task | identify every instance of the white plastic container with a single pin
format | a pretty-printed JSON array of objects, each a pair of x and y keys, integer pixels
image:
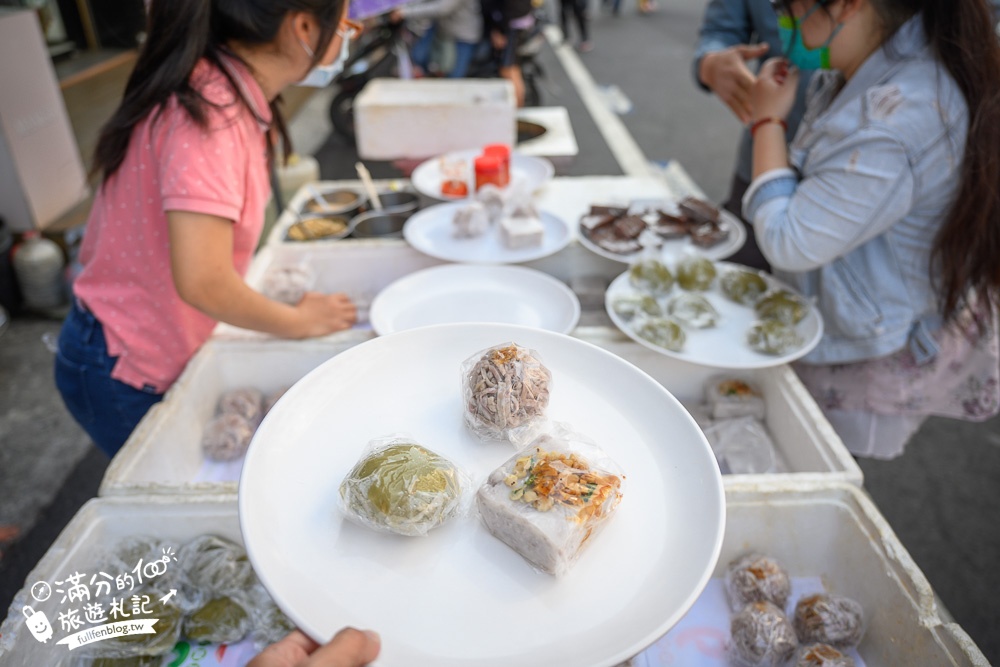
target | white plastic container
[
  {"x": 359, "y": 268},
  {"x": 421, "y": 118},
  {"x": 833, "y": 531},
  {"x": 98, "y": 526},
  {"x": 806, "y": 443},
  {"x": 163, "y": 454}
]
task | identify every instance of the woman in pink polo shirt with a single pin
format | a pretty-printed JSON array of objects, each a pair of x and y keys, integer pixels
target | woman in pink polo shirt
[{"x": 184, "y": 164}]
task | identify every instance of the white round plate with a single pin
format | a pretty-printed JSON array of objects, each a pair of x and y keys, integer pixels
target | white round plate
[
  {"x": 724, "y": 345},
  {"x": 427, "y": 177},
  {"x": 430, "y": 232},
  {"x": 675, "y": 248},
  {"x": 475, "y": 293},
  {"x": 459, "y": 597}
]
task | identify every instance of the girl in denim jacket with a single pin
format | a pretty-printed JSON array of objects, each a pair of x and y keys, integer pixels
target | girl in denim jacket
[{"x": 885, "y": 208}]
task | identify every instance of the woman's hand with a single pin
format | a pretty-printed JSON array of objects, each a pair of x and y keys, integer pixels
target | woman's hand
[
  {"x": 348, "y": 648},
  {"x": 774, "y": 93},
  {"x": 726, "y": 73},
  {"x": 323, "y": 314}
]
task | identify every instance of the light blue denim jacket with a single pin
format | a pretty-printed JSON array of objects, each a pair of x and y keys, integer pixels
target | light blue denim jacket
[
  {"x": 731, "y": 22},
  {"x": 876, "y": 168}
]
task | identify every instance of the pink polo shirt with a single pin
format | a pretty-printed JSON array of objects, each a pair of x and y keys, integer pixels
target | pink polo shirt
[{"x": 172, "y": 164}]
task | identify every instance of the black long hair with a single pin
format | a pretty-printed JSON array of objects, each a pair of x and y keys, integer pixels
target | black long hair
[
  {"x": 964, "y": 258},
  {"x": 182, "y": 32}
]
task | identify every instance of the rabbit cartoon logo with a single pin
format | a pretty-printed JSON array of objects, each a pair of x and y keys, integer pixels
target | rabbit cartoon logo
[{"x": 38, "y": 623}]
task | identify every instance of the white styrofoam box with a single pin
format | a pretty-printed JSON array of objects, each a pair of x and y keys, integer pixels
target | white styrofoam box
[
  {"x": 805, "y": 441},
  {"x": 163, "y": 454},
  {"x": 99, "y": 525},
  {"x": 359, "y": 268},
  {"x": 835, "y": 532},
  {"x": 421, "y": 118},
  {"x": 559, "y": 141}
]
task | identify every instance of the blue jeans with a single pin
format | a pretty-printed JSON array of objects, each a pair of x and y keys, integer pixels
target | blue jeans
[
  {"x": 107, "y": 409},
  {"x": 464, "y": 53}
]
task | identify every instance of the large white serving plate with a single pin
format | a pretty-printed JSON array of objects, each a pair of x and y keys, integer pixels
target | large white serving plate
[
  {"x": 460, "y": 597},
  {"x": 431, "y": 232},
  {"x": 427, "y": 177},
  {"x": 674, "y": 248},
  {"x": 722, "y": 346},
  {"x": 475, "y": 293}
]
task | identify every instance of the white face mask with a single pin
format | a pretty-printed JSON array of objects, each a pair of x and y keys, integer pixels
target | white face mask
[{"x": 321, "y": 75}]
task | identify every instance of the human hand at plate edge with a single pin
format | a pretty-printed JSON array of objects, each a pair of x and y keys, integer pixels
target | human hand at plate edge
[{"x": 348, "y": 648}]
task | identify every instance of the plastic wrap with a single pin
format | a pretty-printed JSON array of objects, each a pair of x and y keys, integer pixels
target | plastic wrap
[
  {"x": 401, "y": 487},
  {"x": 226, "y": 437},
  {"x": 506, "y": 391},
  {"x": 548, "y": 500},
  {"x": 220, "y": 620},
  {"x": 652, "y": 276},
  {"x": 492, "y": 199},
  {"x": 660, "y": 331},
  {"x": 728, "y": 397},
  {"x": 742, "y": 286},
  {"x": 630, "y": 305},
  {"x": 695, "y": 273},
  {"x": 246, "y": 402},
  {"x": 521, "y": 225},
  {"x": 756, "y": 578},
  {"x": 773, "y": 337},
  {"x": 782, "y": 306},
  {"x": 821, "y": 655},
  {"x": 742, "y": 446},
  {"x": 693, "y": 310},
  {"x": 471, "y": 220},
  {"x": 830, "y": 619},
  {"x": 287, "y": 284},
  {"x": 762, "y": 636}
]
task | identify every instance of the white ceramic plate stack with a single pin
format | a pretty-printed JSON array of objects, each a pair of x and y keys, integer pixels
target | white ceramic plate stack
[{"x": 459, "y": 597}]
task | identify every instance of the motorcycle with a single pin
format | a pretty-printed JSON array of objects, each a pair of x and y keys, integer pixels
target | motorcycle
[{"x": 383, "y": 51}]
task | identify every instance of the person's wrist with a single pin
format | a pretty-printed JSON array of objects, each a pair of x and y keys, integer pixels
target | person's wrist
[
  {"x": 765, "y": 121},
  {"x": 706, "y": 69}
]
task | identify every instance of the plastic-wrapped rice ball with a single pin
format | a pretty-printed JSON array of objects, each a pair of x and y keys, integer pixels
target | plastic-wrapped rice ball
[
  {"x": 693, "y": 310},
  {"x": 783, "y": 306},
  {"x": 662, "y": 332},
  {"x": 830, "y": 619},
  {"x": 744, "y": 287},
  {"x": 505, "y": 388},
  {"x": 695, "y": 273},
  {"x": 247, "y": 403},
  {"x": 226, "y": 437},
  {"x": 470, "y": 221},
  {"x": 757, "y": 578},
  {"x": 222, "y": 620},
  {"x": 762, "y": 636},
  {"x": 630, "y": 305},
  {"x": 773, "y": 337},
  {"x": 651, "y": 275},
  {"x": 287, "y": 284},
  {"x": 493, "y": 199},
  {"x": 822, "y": 655}
]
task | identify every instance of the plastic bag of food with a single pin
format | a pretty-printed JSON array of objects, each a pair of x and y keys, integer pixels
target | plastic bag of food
[
  {"x": 506, "y": 392},
  {"x": 288, "y": 283},
  {"x": 652, "y": 276},
  {"x": 742, "y": 446},
  {"x": 743, "y": 286},
  {"x": 663, "y": 332},
  {"x": 400, "y": 486},
  {"x": 729, "y": 397},
  {"x": 762, "y": 636},
  {"x": 773, "y": 337},
  {"x": 695, "y": 272},
  {"x": 693, "y": 310},
  {"x": 754, "y": 577},
  {"x": 830, "y": 619},
  {"x": 821, "y": 655},
  {"x": 628, "y": 306},
  {"x": 783, "y": 306},
  {"x": 550, "y": 498}
]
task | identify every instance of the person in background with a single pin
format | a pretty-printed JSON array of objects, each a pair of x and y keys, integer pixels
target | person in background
[
  {"x": 578, "y": 8},
  {"x": 885, "y": 209},
  {"x": 725, "y": 48},
  {"x": 184, "y": 183},
  {"x": 458, "y": 20},
  {"x": 503, "y": 23},
  {"x": 348, "y": 648}
]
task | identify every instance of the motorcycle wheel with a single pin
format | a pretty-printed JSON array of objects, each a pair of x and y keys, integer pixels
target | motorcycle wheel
[{"x": 342, "y": 114}]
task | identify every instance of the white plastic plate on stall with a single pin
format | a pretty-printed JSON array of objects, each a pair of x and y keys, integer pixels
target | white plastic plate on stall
[
  {"x": 475, "y": 293},
  {"x": 459, "y": 597},
  {"x": 431, "y": 232},
  {"x": 724, "y": 345},
  {"x": 428, "y": 176}
]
